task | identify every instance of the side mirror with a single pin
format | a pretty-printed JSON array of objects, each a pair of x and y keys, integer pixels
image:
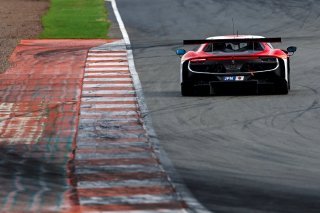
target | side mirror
[
  {"x": 291, "y": 50},
  {"x": 180, "y": 52}
]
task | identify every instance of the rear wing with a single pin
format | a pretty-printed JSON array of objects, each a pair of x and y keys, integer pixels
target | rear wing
[{"x": 231, "y": 40}]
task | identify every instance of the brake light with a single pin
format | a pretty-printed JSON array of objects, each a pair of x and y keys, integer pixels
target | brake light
[{"x": 198, "y": 60}]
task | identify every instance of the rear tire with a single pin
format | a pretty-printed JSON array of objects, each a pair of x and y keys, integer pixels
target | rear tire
[
  {"x": 283, "y": 88},
  {"x": 186, "y": 90},
  {"x": 289, "y": 82}
]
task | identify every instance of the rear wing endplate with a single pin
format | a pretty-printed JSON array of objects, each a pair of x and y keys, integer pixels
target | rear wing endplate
[{"x": 232, "y": 40}]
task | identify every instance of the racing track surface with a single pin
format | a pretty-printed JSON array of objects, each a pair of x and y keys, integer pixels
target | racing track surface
[{"x": 236, "y": 153}]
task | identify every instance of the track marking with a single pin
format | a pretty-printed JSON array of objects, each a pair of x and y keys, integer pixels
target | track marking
[
  {"x": 114, "y": 147},
  {"x": 182, "y": 192},
  {"x": 105, "y": 69}
]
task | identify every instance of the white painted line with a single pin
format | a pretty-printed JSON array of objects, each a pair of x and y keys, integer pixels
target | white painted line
[
  {"x": 104, "y": 53},
  {"x": 123, "y": 71},
  {"x": 120, "y": 22},
  {"x": 104, "y": 68},
  {"x": 136, "y": 199},
  {"x": 98, "y": 112},
  {"x": 112, "y": 118},
  {"x": 94, "y": 135},
  {"x": 106, "y": 85},
  {"x": 111, "y": 113},
  {"x": 103, "y": 156},
  {"x": 113, "y": 129},
  {"x": 107, "y": 63},
  {"x": 142, "y": 211},
  {"x": 112, "y": 169},
  {"x": 105, "y": 106},
  {"x": 99, "y": 168},
  {"x": 84, "y": 144},
  {"x": 107, "y": 58},
  {"x": 88, "y": 99},
  {"x": 17, "y": 140},
  {"x": 116, "y": 73},
  {"x": 101, "y": 126},
  {"x": 104, "y": 92},
  {"x": 106, "y": 79},
  {"x": 125, "y": 183}
]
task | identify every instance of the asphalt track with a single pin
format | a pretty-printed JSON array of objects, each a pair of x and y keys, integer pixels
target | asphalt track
[{"x": 235, "y": 153}]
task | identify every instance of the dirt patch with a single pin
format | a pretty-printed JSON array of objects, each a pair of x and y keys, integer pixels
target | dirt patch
[{"x": 20, "y": 19}]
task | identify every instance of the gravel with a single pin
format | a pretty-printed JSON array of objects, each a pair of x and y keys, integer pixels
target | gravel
[{"x": 20, "y": 19}]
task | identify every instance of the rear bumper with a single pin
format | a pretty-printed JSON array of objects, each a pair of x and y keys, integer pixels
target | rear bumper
[
  {"x": 270, "y": 76},
  {"x": 234, "y": 84},
  {"x": 235, "y": 87},
  {"x": 238, "y": 87}
]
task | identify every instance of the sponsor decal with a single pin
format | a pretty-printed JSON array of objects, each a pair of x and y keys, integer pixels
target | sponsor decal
[
  {"x": 239, "y": 78},
  {"x": 233, "y": 78},
  {"x": 229, "y": 78}
]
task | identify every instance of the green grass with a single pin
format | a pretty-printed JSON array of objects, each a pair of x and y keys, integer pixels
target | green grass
[{"x": 75, "y": 19}]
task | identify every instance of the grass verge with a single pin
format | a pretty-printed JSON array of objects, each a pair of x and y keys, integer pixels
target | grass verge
[{"x": 75, "y": 19}]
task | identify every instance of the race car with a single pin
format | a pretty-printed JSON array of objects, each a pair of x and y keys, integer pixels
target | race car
[{"x": 235, "y": 63}]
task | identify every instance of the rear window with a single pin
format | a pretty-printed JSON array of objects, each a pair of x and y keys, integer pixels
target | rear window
[{"x": 234, "y": 47}]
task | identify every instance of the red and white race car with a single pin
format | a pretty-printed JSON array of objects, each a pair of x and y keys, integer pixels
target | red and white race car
[{"x": 235, "y": 63}]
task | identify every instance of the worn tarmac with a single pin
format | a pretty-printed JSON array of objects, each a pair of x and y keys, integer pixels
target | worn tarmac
[{"x": 236, "y": 153}]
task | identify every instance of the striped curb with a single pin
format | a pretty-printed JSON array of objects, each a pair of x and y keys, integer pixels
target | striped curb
[{"x": 115, "y": 164}]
